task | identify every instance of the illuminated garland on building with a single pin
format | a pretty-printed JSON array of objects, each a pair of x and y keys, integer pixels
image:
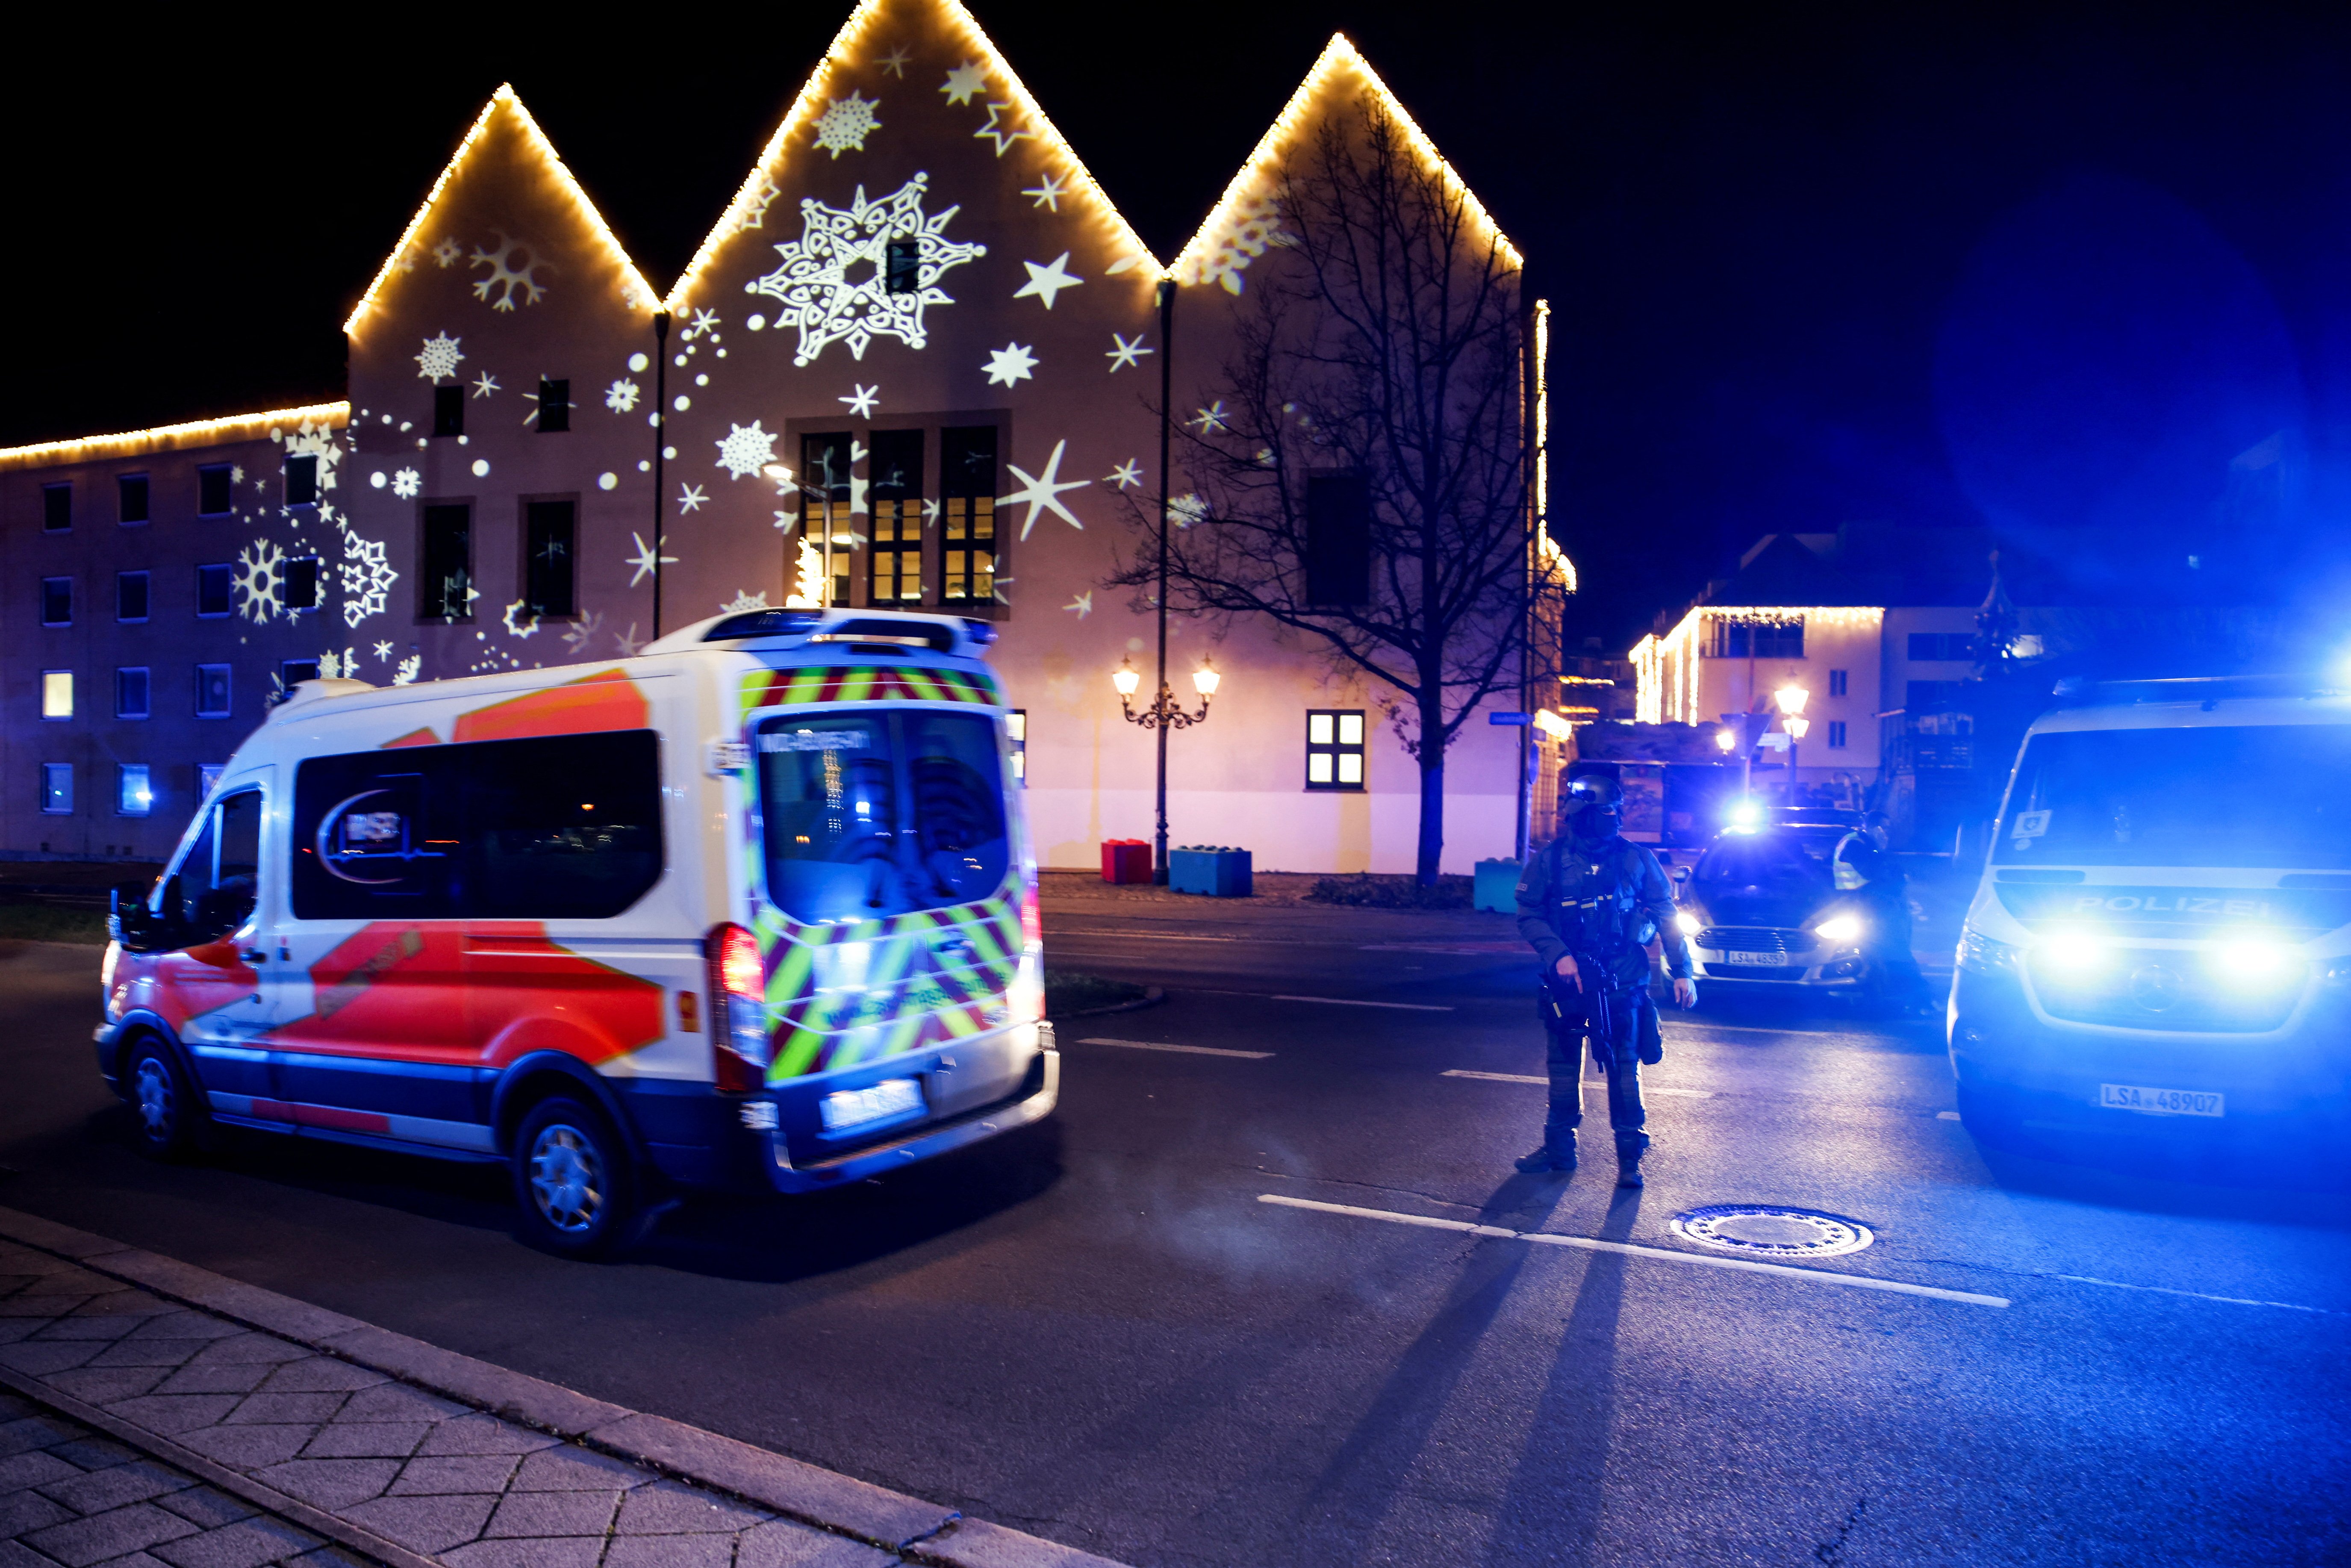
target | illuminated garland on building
[
  {"x": 1669, "y": 665},
  {"x": 169, "y": 437}
]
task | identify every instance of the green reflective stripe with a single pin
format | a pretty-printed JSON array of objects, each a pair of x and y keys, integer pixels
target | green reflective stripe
[
  {"x": 797, "y": 1057},
  {"x": 856, "y": 686},
  {"x": 791, "y": 978},
  {"x": 906, "y": 1036},
  {"x": 959, "y": 1022}
]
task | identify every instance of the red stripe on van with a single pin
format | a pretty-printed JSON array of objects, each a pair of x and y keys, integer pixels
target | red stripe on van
[
  {"x": 607, "y": 700},
  {"x": 333, "y": 1116}
]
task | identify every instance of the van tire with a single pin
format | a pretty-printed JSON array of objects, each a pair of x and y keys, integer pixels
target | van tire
[
  {"x": 574, "y": 1180},
  {"x": 167, "y": 1119}
]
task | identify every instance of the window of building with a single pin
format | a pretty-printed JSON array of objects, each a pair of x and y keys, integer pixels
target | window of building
[
  {"x": 57, "y": 601},
  {"x": 213, "y": 589},
  {"x": 449, "y": 411},
  {"x": 302, "y": 480},
  {"x": 1016, "y": 736},
  {"x": 292, "y": 672},
  {"x": 1837, "y": 734},
  {"x": 57, "y": 693},
  {"x": 133, "y": 795},
  {"x": 1836, "y": 683},
  {"x": 554, "y": 405},
  {"x": 967, "y": 515},
  {"x": 208, "y": 774},
  {"x": 212, "y": 691},
  {"x": 894, "y": 560},
  {"x": 130, "y": 691},
  {"x": 57, "y": 789},
  {"x": 1334, "y": 748},
  {"x": 303, "y": 584},
  {"x": 1942, "y": 646},
  {"x": 131, "y": 497},
  {"x": 56, "y": 507},
  {"x": 550, "y": 542},
  {"x": 446, "y": 580},
  {"x": 902, "y": 271},
  {"x": 213, "y": 490},
  {"x": 824, "y": 509},
  {"x": 1756, "y": 640},
  {"x": 1338, "y": 539},
  {"x": 130, "y": 596},
  {"x": 1930, "y": 696}
]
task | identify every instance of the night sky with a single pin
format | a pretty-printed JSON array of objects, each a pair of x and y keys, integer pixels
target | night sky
[{"x": 1811, "y": 264}]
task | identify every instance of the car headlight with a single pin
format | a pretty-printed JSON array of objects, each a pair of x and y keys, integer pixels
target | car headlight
[
  {"x": 1982, "y": 955},
  {"x": 1686, "y": 923},
  {"x": 2253, "y": 962},
  {"x": 1840, "y": 929},
  {"x": 2071, "y": 951}
]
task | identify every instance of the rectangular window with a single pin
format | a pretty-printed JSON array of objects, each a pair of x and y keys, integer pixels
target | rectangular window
[
  {"x": 212, "y": 487},
  {"x": 1334, "y": 748},
  {"x": 824, "y": 509},
  {"x": 1756, "y": 640},
  {"x": 895, "y": 559},
  {"x": 56, "y": 508},
  {"x": 57, "y": 601},
  {"x": 130, "y": 691},
  {"x": 212, "y": 590},
  {"x": 293, "y": 673},
  {"x": 1930, "y": 696},
  {"x": 132, "y": 796},
  {"x": 968, "y": 515},
  {"x": 302, "y": 584},
  {"x": 57, "y": 788},
  {"x": 446, "y": 578},
  {"x": 1837, "y": 734},
  {"x": 554, "y": 405},
  {"x": 550, "y": 542},
  {"x": 1338, "y": 539},
  {"x": 302, "y": 480},
  {"x": 449, "y": 411},
  {"x": 208, "y": 774},
  {"x": 212, "y": 691},
  {"x": 901, "y": 270},
  {"x": 130, "y": 596},
  {"x": 1942, "y": 647},
  {"x": 57, "y": 693},
  {"x": 1016, "y": 736},
  {"x": 131, "y": 497},
  {"x": 1836, "y": 683}
]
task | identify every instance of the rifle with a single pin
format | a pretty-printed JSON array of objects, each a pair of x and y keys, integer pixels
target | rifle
[{"x": 1586, "y": 1010}]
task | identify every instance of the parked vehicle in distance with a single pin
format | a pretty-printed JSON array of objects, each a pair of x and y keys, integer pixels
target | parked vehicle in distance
[
  {"x": 2161, "y": 940},
  {"x": 754, "y": 909},
  {"x": 1761, "y": 909}
]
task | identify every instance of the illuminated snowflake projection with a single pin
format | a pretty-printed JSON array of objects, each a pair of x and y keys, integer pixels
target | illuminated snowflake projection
[
  {"x": 319, "y": 442},
  {"x": 581, "y": 633},
  {"x": 529, "y": 624},
  {"x": 1186, "y": 509},
  {"x": 755, "y": 211},
  {"x": 367, "y": 578},
  {"x": 1244, "y": 237},
  {"x": 746, "y": 451},
  {"x": 408, "y": 668},
  {"x": 845, "y": 124},
  {"x": 621, "y": 397},
  {"x": 439, "y": 359},
  {"x": 813, "y": 283},
  {"x": 260, "y": 580},
  {"x": 343, "y": 666},
  {"x": 511, "y": 268},
  {"x": 447, "y": 251},
  {"x": 743, "y": 600},
  {"x": 406, "y": 483},
  {"x": 629, "y": 643}
]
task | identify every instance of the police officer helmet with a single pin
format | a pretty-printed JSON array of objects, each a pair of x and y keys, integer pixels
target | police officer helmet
[{"x": 1593, "y": 803}]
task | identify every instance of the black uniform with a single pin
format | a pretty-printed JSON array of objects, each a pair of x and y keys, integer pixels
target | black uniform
[{"x": 1602, "y": 900}]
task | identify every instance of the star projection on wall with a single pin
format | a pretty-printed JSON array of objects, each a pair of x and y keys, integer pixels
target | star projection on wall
[
  {"x": 813, "y": 283},
  {"x": 845, "y": 124},
  {"x": 1047, "y": 281},
  {"x": 963, "y": 83},
  {"x": 1042, "y": 492},
  {"x": 1125, "y": 353},
  {"x": 368, "y": 577},
  {"x": 1013, "y": 362}
]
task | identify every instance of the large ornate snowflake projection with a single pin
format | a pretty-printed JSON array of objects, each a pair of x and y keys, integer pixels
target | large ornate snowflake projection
[
  {"x": 367, "y": 577},
  {"x": 621, "y": 397},
  {"x": 511, "y": 266},
  {"x": 820, "y": 296},
  {"x": 746, "y": 449},
  {"x": 260, "y": 580},
  {"x": 438, "y": 362},
  {"x": 845, "y": 124},
  {"x": 1244, "y": 236}
]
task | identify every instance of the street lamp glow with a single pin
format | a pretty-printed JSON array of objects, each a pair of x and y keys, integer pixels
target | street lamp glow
[
  {"x": 1796, "y": 727},
  {"x": 1126, "y": 679},
  {"x": 1204, "y": 679},
  {"x": 781, "y": 473},
  {"x": 1726, "y": 740},
  {"x": 1792, "y": 698}
]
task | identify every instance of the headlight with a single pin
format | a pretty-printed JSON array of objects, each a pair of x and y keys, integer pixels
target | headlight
[
  {"x": 1686, "y": 923},
  {"x": 2251, "y": 962},
  {"x": 1840, "y": 929},
  {"x": 2071, "y": 951},
  {"x": 1982, "y": 954}
]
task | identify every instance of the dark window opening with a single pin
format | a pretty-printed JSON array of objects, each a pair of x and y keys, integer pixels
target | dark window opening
[
  {"x": 550, "y": 544},
  {"x": 446, "y": 580},
  {"x": 554, "y": 405},
  {"x": 824, "y": 509},
  {"x": 57, "y": 601},
  {"x": 1338, "y": 539},
  {"x": 968, "y": 515},
  {"x": 1942, "y": 647},
  {"x": 302, "y": 480},
  {"x": 302, "y": 584},
  {"x": 130, "y": 596},
  {"x": 1837, "y": 734},
  {"x": 57, "y": 789},
  {"x": 131, "y": 497},
  {"x": 903, "y": 271},
  {"x": 214, "y": 492},
  {"x": 130, "y": 693},
  {"x": 1334, "y": 748},
  {"x": 1931, "y": 696},
  {"x": 449, "y": 411},
  {"x": 212, "y": 691},
  {"x": 213, "y": 589},
  {"x": 897, "y": 557},
  {"x": 1836, "y": 683},
  {"x": 293, "y": 673},
  {"x": 56, "y": 507},
  {"x": 1756, "y": 640}
]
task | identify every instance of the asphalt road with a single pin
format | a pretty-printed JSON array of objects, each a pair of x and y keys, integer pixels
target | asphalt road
[{"x": 1100, "y": 1331}]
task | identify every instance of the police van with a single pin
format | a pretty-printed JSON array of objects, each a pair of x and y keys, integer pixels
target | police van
[
  {"x": 757, "y": 907},
  {"x": 2161, "y": 940}
]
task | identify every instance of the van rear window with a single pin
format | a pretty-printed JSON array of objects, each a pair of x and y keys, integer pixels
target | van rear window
[
  {"x": 553, "y": 828},
  {"x": 876, "y": 813}
]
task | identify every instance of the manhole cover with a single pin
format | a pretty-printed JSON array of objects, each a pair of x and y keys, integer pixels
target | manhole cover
[{"x": 1767, "y": 1230}]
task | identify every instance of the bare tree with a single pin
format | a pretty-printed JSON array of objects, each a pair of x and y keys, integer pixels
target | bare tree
[{"x": 1362, "y": 475}]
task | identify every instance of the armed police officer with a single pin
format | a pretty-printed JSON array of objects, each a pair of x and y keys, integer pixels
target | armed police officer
[{"x": 1590, "y": 902}]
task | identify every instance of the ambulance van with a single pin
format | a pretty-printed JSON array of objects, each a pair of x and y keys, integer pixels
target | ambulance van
[
  {"x": 754, "y": 908},
  {"x": 2161, "y": 942}
]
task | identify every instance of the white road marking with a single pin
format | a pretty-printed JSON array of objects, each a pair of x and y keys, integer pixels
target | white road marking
[
  {"x": 1594, "y": 1244},
  {"x": 1353, "y": 1002},
  {"x": 2197, "y": 1295},
  {"x": 1529, "y": 1077},
  {"x": 1186, "y": 1050}
]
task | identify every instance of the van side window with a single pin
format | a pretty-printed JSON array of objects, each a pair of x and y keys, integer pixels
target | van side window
[
  {"x": 217, "y": 882},
  {"x": 374, "y": 835}
]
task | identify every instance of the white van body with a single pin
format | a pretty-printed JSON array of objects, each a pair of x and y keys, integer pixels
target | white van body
[{"x": 761, "y": 898}]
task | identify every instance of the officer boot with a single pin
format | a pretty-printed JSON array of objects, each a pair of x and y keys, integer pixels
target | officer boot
[
  {"x": 1630, "y": 1146},
  {"x": 1556, "y": 1153}
]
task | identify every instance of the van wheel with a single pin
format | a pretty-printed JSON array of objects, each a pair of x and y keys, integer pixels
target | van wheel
[
  {"x": 573, "y": 1180},
  {"x": 162, "y": 1103}
]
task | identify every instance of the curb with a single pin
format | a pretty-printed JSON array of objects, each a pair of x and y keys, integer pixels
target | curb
[
  {"x": 1151, "y": 998},
  {"x": 919, "y": 1532}
]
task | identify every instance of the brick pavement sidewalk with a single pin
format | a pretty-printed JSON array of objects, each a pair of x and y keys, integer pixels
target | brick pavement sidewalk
[{"x": 305, "y": 1436}]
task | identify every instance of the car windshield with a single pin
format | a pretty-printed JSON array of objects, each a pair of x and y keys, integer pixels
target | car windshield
[
  {"x": 1779, "y": 862},
  {"x": 2240, "y": 796},
  {"x": 871, "y": 814}
]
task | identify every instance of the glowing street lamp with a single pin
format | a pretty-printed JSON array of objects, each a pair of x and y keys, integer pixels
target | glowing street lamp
[
  {"x": 1791, "y": 699},
  {"x": 1164, "y": 712}
]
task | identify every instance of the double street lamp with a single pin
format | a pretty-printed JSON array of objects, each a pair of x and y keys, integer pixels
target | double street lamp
[
  {"x": 1164, "y": 712},
  {"x": 1791, "y": 699}
]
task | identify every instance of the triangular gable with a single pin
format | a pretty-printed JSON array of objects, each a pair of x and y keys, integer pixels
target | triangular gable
[
  {"x": 1243, "y": 222},
  {"x": 404, "y": 258},
  {"x": 759, "y": 186}
]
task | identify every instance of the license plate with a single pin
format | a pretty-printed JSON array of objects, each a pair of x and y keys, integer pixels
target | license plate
[
  {"x": 2158, "y": 1102},
  {"x": 1759, "y": 960},
  {"x": 845, "y": 1109}
]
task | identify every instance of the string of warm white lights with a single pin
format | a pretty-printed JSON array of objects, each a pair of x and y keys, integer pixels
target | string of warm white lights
[
  {"x": 1669, "y": 663},
  {"x": 165, "y": 438}
]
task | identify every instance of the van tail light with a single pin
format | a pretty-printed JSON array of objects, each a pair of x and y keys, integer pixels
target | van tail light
[
  {"x": 739, "y": 1009},
  {"x": 1033, "y": 920}
]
